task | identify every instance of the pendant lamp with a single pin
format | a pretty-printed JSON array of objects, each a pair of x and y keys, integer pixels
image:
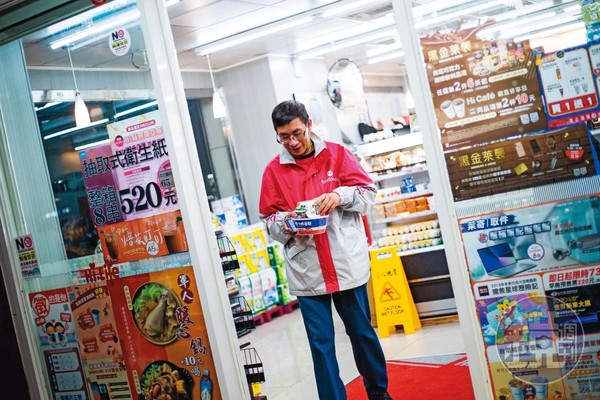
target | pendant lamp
[
  {"x": 217, "y": 101},
  {"x": 82, "y": 115}
]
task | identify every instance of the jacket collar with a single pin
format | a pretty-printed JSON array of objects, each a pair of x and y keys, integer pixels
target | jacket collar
[{"x": 286, "y": 158}]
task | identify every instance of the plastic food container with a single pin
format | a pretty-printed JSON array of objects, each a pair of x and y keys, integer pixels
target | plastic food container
[{"x": 308, "y": 226}]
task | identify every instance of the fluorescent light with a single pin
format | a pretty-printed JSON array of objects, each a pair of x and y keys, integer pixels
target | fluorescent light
[
  {"x": 347, "y": 7},
  {"x": 551, "y": 23},
  {"x": 385, "y": 57},
  {"x": 549, "y": 32},
  {"x": 570, "y": 9},
  {"x": 169, "y": 3},
  {"x": 499, "y": 27},
  {"x": 122, "y": 19},
  {"x": 87, "y": 146},
  {"x": 460, "y": 13},
  {"x": 137, "y": 108},
  {"x": 384, "y": 49},
  {"x": 242, "y": 38},
  {"x": 347, "y": 43},
  {"x": 75, "y": 128}
]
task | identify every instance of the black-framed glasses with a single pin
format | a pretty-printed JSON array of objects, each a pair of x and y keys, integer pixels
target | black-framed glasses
[{"x": 285, "y": 139}]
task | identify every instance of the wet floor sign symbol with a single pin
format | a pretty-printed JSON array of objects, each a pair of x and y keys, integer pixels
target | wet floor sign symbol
[
  {"x": 394, "y": 304},
  {"x": 389, "y": 293}
]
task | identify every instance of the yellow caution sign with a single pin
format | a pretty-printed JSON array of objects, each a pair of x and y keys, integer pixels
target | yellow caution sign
[{"x": 394, "y": 304}]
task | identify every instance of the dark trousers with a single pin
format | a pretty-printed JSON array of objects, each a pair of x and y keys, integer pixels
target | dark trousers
[{"x": 353, "y": 308}]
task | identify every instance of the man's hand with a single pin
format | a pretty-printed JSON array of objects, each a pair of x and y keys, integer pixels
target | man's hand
[
  {"x": 286, "y": 228},
  {"x": 327, "y": 202}
]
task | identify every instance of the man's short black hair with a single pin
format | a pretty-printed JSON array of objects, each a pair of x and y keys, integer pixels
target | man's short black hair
[{"x": 286, "y": 111}]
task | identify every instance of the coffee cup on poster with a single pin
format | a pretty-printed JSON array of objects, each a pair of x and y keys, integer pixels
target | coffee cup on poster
[
  {"x": 577, "y": 89},
  {"x": 459, "y": 107},
  {"x": 534, "y": 116},
  {"x": 584, "y": 87},
  {"x": 448, "y": 109},
  {"x": 524, "y": 119}
]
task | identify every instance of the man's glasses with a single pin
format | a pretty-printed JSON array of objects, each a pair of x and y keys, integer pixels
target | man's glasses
[{"x": 285, "y": 139}]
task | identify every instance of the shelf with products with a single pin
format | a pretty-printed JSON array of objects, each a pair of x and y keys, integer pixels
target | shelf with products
[{"x": 404, "y": 215}]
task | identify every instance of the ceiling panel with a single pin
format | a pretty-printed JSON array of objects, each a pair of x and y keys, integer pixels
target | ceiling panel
[
  {"x": 179, "y": 31},
  {"x": 214, "y": 13}
]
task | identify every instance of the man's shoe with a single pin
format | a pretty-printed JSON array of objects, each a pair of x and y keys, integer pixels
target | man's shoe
[{"x": 380, "y": 396}]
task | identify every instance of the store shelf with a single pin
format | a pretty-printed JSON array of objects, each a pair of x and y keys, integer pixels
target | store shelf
[
  {"x": 404, "y": 196},
  {"x": 406, "y": 217},
  {"x": 421, "y": 250},
  {"x": 388, "y": 145},
  {"x": 417, "y": 169}
]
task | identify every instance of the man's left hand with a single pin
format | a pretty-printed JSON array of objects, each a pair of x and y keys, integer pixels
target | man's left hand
[{"x": 327, "y": 203}]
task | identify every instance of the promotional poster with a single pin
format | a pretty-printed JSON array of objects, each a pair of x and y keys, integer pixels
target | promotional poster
[
  {"x": 569, "y": 82},
  {"x": 58, "y": 343},
  {"x": 483, "y": 91},
  {"x": 153, "y": 236},
  {"x": 522, "y": 163},
  {"x": 164, "y": 339},
  {"x": 532, "y": 239}
]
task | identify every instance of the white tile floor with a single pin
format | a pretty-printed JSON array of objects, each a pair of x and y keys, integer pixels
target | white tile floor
[{"x": 283, "y": 349}]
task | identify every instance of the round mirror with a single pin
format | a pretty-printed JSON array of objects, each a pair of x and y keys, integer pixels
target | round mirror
[{"x": 344, "y": 83}]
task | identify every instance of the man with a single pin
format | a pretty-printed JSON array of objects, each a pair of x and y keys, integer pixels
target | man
[{"x": 333, "y": 266}]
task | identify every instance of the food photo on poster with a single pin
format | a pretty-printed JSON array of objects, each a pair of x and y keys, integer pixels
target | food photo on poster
[
  {"x": 524, "y": 162},
  {"x": 532, "y": 239},
  {"x": 165, "y": 344},
  {"x": 483, "y": 90},
  {"x": 569, "y": 79}
]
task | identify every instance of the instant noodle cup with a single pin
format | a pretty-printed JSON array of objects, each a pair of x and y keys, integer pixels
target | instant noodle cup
[{"x": 308, "y": 226}]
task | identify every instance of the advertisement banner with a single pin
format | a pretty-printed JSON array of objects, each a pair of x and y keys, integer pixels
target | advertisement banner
[
  {"x": 153, "y": 236},
  {"x": 522, "y": 163},
  {"x": 533, "y": 239},
  {"x": 100, "y": 185},
  {"x": 483, "y": 91},
  {"x": 143, "y": 173},
  {"x": 569, "y": 81},
  {"x": 58, "y": 344},
  {"x": 165, "y": 339}
]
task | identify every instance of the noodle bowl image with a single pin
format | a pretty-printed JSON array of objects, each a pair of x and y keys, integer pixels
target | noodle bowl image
[{"x": 154, "y": 307}]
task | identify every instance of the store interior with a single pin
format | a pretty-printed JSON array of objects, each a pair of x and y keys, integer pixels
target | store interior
[{"x": 251, "y": 55}]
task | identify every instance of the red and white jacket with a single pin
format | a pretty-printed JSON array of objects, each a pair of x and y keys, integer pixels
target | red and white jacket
[{"x": 339, "y": 259}]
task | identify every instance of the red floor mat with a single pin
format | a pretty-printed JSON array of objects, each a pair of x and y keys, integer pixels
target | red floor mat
[{"x": 435, "y": 377}]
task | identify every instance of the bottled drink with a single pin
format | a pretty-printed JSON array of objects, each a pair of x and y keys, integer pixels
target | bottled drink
[{"x": 205, "y": 386}]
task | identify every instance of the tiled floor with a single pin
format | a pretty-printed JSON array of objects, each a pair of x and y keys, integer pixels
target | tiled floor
[{"x": 283, "y": 349}]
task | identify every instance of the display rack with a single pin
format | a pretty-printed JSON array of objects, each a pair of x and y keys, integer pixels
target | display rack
[
  {"x": 425, "y": 264},
  {"x": 242, "y": 317}
]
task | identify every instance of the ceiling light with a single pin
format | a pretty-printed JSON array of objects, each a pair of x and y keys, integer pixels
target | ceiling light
[
  {"x": 93, "y": 144},
  {"x": 82, "y": 115},
  {"x": 169, "y": 3},
  {"x": 540, "y": 26},
  {"x": 460, "y": 13},
  {"x": 498, "y": 27},
  {"x": 218, "y": 105},
  {"x": 552, "y": 31},
  {"x": 342, "y": 44},
  {"x": 385, "y": 57},
  {"x": 570, "y": 9},
  {"x": 75, "y": 128},
  {"x": 98, "y": 28},
  {"x": 251, "y": 35},
  {"x": 137, "y": 108},
  {"x": 384, "y": 49},
  {"x": 346, "y": 7}
]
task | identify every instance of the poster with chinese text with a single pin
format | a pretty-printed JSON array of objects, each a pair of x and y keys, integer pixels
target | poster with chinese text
[
  {"x": 58, "y": 343},
  {"x": 483, "y": 90},
  {"x": 165, "y": 338},
  {"x": 569, "y": 81},
  {"x": 141, "y": 163},
  {"x": 522, "y": 163}
]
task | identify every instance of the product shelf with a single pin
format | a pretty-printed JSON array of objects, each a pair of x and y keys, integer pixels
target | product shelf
[
  {"x": 416, "y": 169},
  {"x": 404, "y": 196},
  {"x": 383, "y": 146},
  {"x": 420, "y": 250},
  {"x": 406, "y": 217}
]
